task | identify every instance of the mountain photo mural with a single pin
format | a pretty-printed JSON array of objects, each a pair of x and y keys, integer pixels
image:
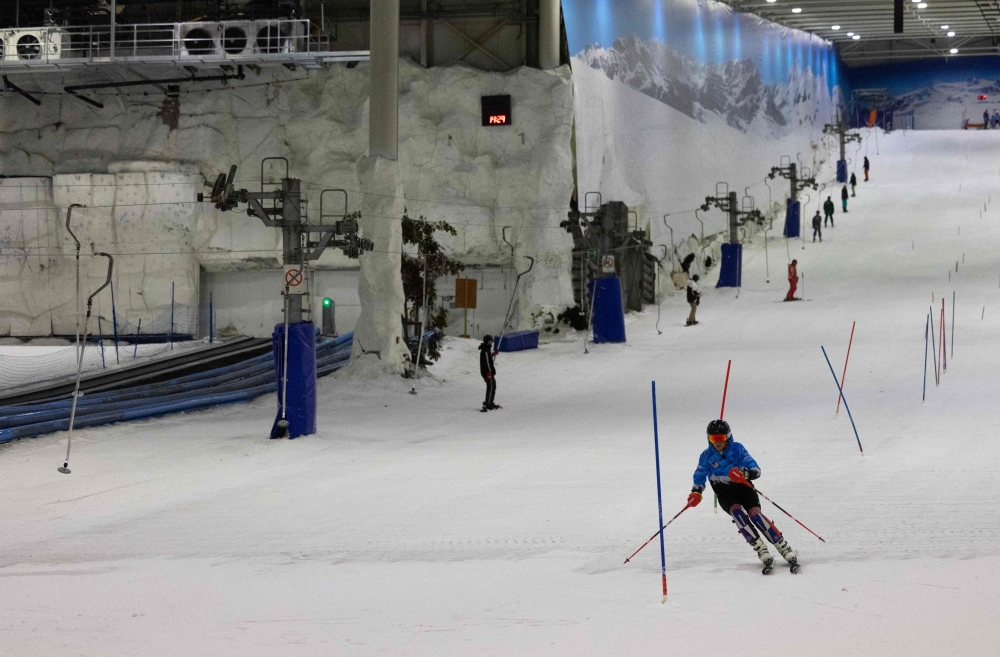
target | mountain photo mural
[{"x": 673, "y": 96}]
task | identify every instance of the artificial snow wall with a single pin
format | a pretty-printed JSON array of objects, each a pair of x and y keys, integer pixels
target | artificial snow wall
[
  {"x": 674, "y": 96},
  {"x": 138, "y": 164}
]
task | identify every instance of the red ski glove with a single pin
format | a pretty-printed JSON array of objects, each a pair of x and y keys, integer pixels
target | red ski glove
[
  {"x": 489, "y": 375},
  {"x": 694, "y": 499},
  {"x": 738, "y": 477}
]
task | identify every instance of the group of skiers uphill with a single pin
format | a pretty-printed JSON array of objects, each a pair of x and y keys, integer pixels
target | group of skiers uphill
[{"x": 818, "y": 222}]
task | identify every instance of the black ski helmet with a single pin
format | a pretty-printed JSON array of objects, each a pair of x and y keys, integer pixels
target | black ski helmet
[{"x": 718, "y": 427}]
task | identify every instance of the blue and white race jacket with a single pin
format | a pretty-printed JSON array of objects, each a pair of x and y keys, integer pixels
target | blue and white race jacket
[{"x": 714, "y": 465}]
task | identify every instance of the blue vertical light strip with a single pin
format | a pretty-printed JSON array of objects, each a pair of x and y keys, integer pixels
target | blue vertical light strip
[
  {"x": 659, "y": 22},
  {"x": 737, "y": 43},
  {"x": 719, "y": 39},
  {"x": 605, "y": 23},
  {"x": 659, "y": 495},
  {"x": 699, "y": 37}
]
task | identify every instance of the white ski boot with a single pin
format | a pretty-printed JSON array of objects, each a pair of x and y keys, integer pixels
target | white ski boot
[
  {"x": 765, "y": 557},
  {"x": 788, "y": 554}
]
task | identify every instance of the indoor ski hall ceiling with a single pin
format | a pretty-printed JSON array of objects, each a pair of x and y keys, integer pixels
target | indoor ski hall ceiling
[{"x": 865, "y": 35}]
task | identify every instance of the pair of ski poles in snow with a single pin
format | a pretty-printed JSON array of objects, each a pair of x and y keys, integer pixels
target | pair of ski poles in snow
[{"x": 745, "y": 482}]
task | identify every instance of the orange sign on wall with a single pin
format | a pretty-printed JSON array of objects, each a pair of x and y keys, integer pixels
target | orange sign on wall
[{"x": 465, "y": 293}]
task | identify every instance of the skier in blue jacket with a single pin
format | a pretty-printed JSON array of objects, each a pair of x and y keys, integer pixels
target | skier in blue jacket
[{"x": 729, "y": 468}]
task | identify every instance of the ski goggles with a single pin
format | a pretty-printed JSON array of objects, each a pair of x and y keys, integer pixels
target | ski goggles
[{"x": 717, "y": 438}]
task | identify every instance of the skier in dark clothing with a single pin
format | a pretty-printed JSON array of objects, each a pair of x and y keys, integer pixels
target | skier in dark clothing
[
  {"x": 828, "y": 208},
  {"x": 817, "y": 222},
  {"x": 694, "y": 299},
  {"x": 843, "y": 197},
  {"x": 866, "y": 166},
  {"x": 488, "y": 370},
  {"x": 729, "y": 468},
  {"x": 854, "y": 183},
  {"x": 986, "y": 119}
]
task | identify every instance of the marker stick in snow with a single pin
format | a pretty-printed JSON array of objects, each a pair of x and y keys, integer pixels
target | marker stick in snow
[
  {"x": 927, "y": 324},
  {"x": 944, "y": 341},
  {"x": 937, "y": 372},
  {"x": 845, "y": 402},
  {"x": 843, "y": 377},
  {"x": 659, "y": 496},
  {"x": 953, "y": 323}
]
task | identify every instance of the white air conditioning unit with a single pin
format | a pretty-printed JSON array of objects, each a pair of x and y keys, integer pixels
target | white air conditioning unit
[
  {"x": 237, "y": 38},
  {"x": 198, "y": 40},
  {"x": 31, "y": 44},
  {"x": 278, "y": 37}
]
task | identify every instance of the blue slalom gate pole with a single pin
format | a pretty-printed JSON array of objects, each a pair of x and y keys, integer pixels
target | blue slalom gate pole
[
  {"x": 138, "y": 328},
  {"x": 659, "y": 495},
  {"x": 100, "y": 333},
  {"x": 937, "y": 379},
  {"x": 114, "y": 321},
  {"x": 926, "y": 345},
  {"x": 845, "y": 400},
  {"x": 211, "y": 320}
]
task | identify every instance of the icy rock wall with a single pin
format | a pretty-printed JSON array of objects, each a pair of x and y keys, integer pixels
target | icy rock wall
[{"x": 452, "y": 168}]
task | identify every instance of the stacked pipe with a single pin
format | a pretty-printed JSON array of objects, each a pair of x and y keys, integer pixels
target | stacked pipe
[{"x": 238, "y": 383}]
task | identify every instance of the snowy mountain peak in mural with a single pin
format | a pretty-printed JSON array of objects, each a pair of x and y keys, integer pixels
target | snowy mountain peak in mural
[{"x": 733, "y": 91}]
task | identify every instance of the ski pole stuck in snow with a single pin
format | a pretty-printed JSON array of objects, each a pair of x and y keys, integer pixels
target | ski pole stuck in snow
[
  {"x": 79, "y": 364},
  {"x": 659, "y": 496},
  {"x": 843, "y": 377},
  {"x": 846, "y": 405},
  {"x": 739, "y": 478}
]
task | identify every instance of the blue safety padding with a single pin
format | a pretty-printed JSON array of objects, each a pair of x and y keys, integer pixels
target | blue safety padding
[
  {"x": 608, "y": 312},
  {"x": 793, "y": 213},
  {"x": 517, "y": 341},
  {"x": 301, "y": 380},
  {"x": 731, "y": 272},
  {"x": 200, "y": 391},
  {"x": 842, "y": 171}
]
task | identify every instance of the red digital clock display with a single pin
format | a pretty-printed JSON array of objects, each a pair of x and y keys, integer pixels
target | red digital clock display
[{"x": 496, "y": 111}]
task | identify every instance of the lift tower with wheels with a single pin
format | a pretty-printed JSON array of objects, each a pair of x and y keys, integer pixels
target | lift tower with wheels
[
  {"x": 840, "y": 128},
  {"x": 740, "y": 212},
  {"x": 799, "y": 180}
]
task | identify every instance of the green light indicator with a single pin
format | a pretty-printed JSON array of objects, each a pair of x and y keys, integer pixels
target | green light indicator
[{"x": 327, "y": 302}]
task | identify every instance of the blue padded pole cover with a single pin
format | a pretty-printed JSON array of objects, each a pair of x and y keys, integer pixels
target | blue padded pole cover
[{"x": 301, "y": 408}]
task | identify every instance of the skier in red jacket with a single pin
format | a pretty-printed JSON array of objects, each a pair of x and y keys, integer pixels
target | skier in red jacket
[{"x": 793, "y": 281}]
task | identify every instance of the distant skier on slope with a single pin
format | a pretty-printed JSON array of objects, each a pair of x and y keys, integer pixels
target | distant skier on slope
[
  {"x": 793, "y": 281},
  {"x": 854, "y": 183},
  {"x": 488, "y": 370},
  {"x": 729, "y": 468},
  {"x": 867, "y": 165},
  {"x": 986, "y": 119},
  {"x": 843, "y": 197},
  {"x": 694, "y": 299},
  {"x": 828, "y": 209},
  {"x": 817, "y": 223}
]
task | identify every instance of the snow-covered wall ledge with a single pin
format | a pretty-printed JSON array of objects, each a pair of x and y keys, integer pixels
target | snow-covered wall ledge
[{"x": 478, "y": 179}]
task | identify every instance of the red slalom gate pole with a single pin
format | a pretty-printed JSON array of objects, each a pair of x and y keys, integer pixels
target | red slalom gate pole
[
  {"x": 944, "y": 340},
  {"x": 658, "y": 533},
  {"x": 843, "y": 376},
  {"x": 725, "y": 389}
]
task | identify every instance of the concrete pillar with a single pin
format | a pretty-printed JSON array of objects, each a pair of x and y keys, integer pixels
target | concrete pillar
[
  {"x": 548, "y": 34},
  {"x": 383, "y": 110},
  {"x": 379, "y": 329}
]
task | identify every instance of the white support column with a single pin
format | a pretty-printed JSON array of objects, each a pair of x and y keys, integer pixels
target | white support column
[
  {"x": 548, "y": 34},
  {"x": 383, "y": 110}
]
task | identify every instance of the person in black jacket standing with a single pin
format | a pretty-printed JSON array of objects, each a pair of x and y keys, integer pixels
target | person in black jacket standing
[
  {"x": 843, "y": 197},
  {"x": 817, "y": 222},
  {"x": 488, "y": 370}
]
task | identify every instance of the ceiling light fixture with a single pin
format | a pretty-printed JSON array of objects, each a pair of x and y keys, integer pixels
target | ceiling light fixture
[
  {"x": 951, "y": 34},
  {"x": 922, "y": 5},
  {"x": 954, "y": 51},
  {"x": 856, "y": 37},
  {"x": 835, "y": 27},
  {"x": 797, "y": 10},
  {"x": 944, "y": 27},
  {"x": 850, "y": 34}
]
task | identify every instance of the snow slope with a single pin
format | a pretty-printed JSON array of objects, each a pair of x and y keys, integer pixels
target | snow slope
[{"x": 413, "y": 525}]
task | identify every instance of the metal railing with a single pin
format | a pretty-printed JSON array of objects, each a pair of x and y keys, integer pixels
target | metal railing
[{"x": 261, "y": 41}]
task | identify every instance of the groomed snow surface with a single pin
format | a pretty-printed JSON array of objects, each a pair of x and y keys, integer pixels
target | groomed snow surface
[{"x": 415, "y": 525}]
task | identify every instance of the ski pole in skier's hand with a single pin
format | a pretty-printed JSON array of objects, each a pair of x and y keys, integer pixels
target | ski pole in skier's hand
[
  {"x": 739, "y": 477},
  {"x": 694, "y": 499},
  {"x": 662, "y": 528}
]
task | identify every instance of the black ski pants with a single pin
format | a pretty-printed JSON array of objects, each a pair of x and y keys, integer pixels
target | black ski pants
[{"x": 491, "y": 390}]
